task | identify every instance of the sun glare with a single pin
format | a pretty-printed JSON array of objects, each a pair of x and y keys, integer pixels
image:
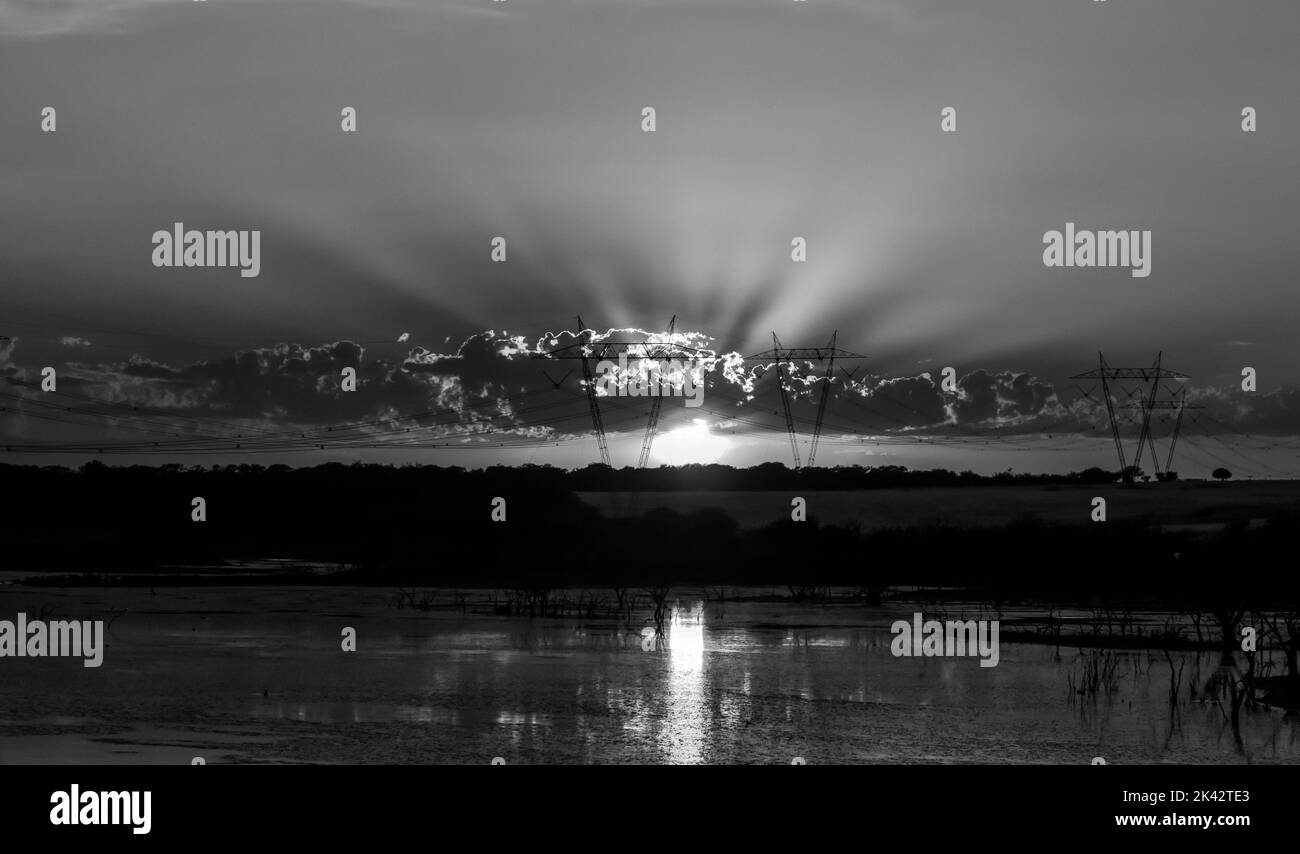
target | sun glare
[{"x": 694, "y": 444}]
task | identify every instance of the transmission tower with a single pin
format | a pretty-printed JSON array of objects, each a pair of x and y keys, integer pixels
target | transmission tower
[
  {"x": 1177, "y": 405},
  {"x": 657, "y": 402},
  {"x": 610, "y": 349},
  {"x": 1148, "y": 388},
  {"x": 784, "y": 358}
]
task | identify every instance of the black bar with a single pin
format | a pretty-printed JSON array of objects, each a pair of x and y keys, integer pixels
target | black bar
[{"x": 1001, "y": 805}]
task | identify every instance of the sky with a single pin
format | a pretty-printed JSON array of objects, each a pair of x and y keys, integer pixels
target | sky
[{"x": 523, "y": 120}]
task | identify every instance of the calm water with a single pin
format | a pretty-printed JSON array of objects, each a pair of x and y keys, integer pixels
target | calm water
[{"x": 257, "y": 676}]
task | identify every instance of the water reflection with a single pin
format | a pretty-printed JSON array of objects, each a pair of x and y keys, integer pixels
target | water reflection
[
  {"x": 1195, "y": 704},
  {"x": 685, "y": 728},
  {"x": 759, "y": 683}
]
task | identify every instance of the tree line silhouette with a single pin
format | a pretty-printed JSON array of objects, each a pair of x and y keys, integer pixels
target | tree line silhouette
[{"x": 415, "y": 525}]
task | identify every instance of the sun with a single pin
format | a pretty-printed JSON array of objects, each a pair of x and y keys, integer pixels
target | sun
[{"x": 694, "y": 444}]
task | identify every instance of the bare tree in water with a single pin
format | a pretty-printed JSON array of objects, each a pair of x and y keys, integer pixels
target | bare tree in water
[{"x": 1285, "y": 629}]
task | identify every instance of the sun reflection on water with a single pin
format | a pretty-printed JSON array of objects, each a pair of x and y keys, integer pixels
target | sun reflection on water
[{"x": 683, "y": 735}]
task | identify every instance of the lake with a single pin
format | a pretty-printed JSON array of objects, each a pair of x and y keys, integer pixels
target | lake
[{"x": 257, "y": 675}]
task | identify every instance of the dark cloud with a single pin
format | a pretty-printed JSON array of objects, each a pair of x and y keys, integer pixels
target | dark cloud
[
  {"x": 912, "y": 402},
  {"x": 7, "y": 368},
  {"x": 138, "y": 366},
  {"x": 492, "y": 383},
  {"x": 1002, "y": 398},
  {"x": 293, "y": 383},
  {"x": 1275, "y": 413}
]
